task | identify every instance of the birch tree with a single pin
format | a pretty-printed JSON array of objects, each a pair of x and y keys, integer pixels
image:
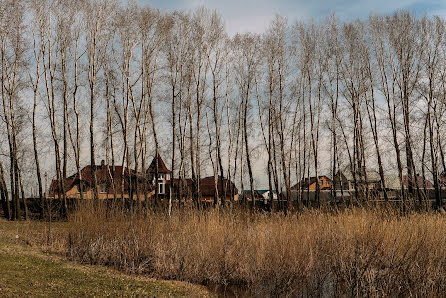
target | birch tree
[{"x": 246, "y": 48}]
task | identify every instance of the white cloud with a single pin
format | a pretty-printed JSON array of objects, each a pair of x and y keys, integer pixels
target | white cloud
[
  {"x": 255, "y": 15},
  {"x": 440, "y": 12},
  {"x": 254, "y": 24}
]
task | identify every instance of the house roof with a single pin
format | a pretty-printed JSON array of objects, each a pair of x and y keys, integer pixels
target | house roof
[
  {"x": 162, "y": 168},
  {"x": 393, "y": 182},
  {"x": 419, "y": 181},
  {"x": 265, "y": 191},
  {"x": 68, "y": 185},
  {"x": 371, "y": 175},
  {"x": 102, "y": 172},
  {"x": 308, "y": 181},
  {"x": 207, "y": 186}
]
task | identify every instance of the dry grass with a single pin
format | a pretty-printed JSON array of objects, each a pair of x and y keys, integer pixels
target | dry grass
[
  {"x": 353, "y": 252},
  {"x": 25, "y": 271}
]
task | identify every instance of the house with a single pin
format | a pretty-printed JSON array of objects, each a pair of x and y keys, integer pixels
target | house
[
  {"x": 208, "y": 189},
  {"x": 263, "y": 200},
  {"x": 393, "y": 182},
  {"x": 365, "y": 179},
  {"x": 325, "y": 196},
  {"x": 108, "y": 180},
  {"x": 146, "y": 183},
  {"x": 309, "y": 183},
  {"x": 266, "y": 194},
  {"x": 164, "y": 175},
  {"x": 248, "y": 195}
]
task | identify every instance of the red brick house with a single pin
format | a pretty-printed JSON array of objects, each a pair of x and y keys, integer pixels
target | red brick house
[
  {"x": 207, "y": 185},
  {"x": 420, "y": 181},
  {"x": 107, "y": 178},
  {"x": 164, "y": 175},
  {"x": 145, "y": 183}
]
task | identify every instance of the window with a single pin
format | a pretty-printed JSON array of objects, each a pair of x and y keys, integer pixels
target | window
[
  {"x": 161, "y": 188},
  {"x": 103, "y": 188},
  {"x": 82, "y": 186}
]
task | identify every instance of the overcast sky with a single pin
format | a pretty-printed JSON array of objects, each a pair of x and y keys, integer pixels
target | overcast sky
[{"x": 254, "y": 15}]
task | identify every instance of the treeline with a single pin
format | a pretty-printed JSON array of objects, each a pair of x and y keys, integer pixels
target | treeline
[{"x": 97, "y": 79}]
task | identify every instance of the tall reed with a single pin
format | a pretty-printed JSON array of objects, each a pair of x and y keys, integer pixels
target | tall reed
[{"x": 354, "y": 252}]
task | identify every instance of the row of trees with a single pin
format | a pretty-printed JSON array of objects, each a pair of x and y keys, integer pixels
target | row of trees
[{"x": 85, "y": 79}]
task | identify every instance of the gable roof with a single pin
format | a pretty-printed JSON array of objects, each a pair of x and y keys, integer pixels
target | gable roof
[
  {"x": 306, "y": 182},
  {"x": 393, "y": 182},
  {"x": 419, "y": 181},
  {"x": 103, "y": 173},
  {"x": 372, "y": 175},
  {"x": 207, "y": 186},
  {"x": 162, "y": 168}
]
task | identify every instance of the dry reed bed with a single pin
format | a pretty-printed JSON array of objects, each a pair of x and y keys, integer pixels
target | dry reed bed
[{"x": 352, "y": 253}]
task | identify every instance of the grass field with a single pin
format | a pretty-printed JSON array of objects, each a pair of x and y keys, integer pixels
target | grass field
[{"x": 27, "y": 271}]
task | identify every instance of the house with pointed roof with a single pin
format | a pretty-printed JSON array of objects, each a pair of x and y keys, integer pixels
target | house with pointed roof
[
  {"x": 158, "y": 167},
  {"x": 364, "y": 178},
  {"x": 216, "y": 187},
  {"x": 310, "y": 183},
  {"x": 210, "y": 187},
  {"x": 109, "y": 179},
  {"x": 393, "y": 182},
  {"x": 157, "y": 178}
]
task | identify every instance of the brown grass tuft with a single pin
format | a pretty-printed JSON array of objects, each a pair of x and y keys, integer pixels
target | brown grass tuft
[{"x": 353, "y": 252}]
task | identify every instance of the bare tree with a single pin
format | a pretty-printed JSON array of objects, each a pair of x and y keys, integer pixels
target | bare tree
[
  {"x": 218, "y": 47},
  {"x": 50, "y": 63},
  {"x": 177, "y": 49},
  {"x": 12, "y": 65},
  {"x": 386, "y": 87},
  {"x": 246, "y": 49},
  {"x": 433, "y": 34},
  {"x": 4, "y": 194},
  {"x": 404, "y": 42},
  {"x": 97, "y": 19},
  {"x": 38, "y": 9}
]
